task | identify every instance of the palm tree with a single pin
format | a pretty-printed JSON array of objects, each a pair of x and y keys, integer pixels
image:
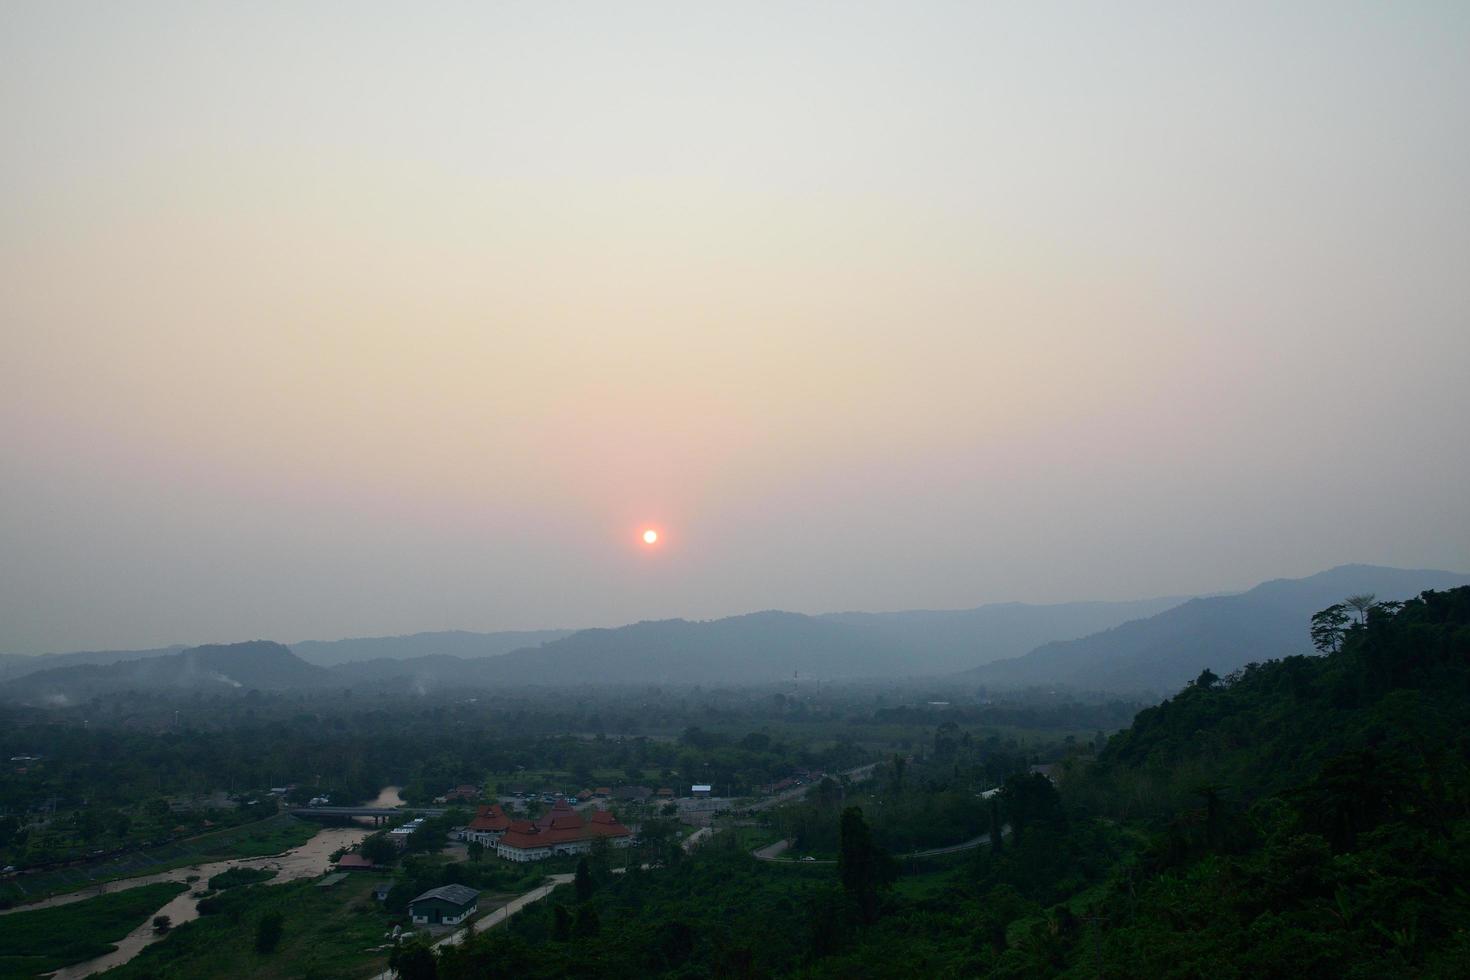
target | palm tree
[{"x": 1362, "y": 602}]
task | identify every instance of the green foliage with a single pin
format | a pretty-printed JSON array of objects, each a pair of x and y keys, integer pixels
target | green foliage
[
  {"x": 326, "y": 934},
  {"x": 862, "y": 867},
  {"x": 1307, "y": 817},
  {"x": 413, "y": 960},
  {"x": 583, "y": 884},
  {"x": 268, "y": 931},
  {"x": 378, "y": 849},
  {"x": 47, "y": 939}
]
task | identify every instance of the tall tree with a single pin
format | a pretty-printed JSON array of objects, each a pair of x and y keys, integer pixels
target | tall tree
[
  {"x": 583, "y": 883},
  {"x": 1328, "y": 627},
  {"x": 861, "y": 866},
  {"x": 1361, "y": 602}
]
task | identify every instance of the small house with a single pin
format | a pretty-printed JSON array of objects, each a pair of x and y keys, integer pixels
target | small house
[
  {"x": 447, "y": 905},
  {"x": 700, "y": 791}
]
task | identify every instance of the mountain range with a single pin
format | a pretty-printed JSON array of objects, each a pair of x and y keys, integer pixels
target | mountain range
[
  {"x": 754, "y": 648},
  {"x": 1148, "y": 647},
  {"x": 1162, "y": 653}
]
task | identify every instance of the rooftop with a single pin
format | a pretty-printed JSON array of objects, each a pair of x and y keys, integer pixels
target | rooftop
[{"x": 453, "y": 894}]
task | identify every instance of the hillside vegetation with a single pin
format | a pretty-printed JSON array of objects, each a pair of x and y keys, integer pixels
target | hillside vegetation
[{"x": 1299, "y": 818}]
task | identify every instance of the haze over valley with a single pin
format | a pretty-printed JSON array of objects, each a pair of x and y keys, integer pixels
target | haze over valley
[{"x": 814, "y": 491}]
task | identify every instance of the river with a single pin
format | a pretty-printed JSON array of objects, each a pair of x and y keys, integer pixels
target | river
[{"x": 306, "y": 861}]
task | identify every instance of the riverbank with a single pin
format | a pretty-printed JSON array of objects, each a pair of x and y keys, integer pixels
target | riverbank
[{"x": 273, "y": 835}]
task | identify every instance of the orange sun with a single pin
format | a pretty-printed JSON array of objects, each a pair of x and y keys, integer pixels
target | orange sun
[{"x": 650, "y": 536}]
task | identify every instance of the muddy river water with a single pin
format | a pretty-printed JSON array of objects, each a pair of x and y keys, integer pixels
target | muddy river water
[{"x": 306, "y": 861}]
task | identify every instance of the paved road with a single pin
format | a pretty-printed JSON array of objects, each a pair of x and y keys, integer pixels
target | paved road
[
  {"x": 855, "y": 775},
  {"x": 773, "y": 852}
]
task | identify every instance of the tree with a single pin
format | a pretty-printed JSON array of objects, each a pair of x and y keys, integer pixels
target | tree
[
  {"x": 861, "y": 865},
  {"x": 162, "y": 924},
  {"x": 1328, "y": 627},
  {"x": 1031, "y": 800},
  {"x": 413, "y": 960},
  {"x": 587, "y": 922},
  {"x": 476, "y": 851},
  {"x": 379, "y": 849},
  {"x": 583, "y": 883},
  {"x": 561, "y": 923},
  {"x": 996, "y": 836},
  {"x": 268, "y": 932},
  {"x": 1361, "y": 603}
]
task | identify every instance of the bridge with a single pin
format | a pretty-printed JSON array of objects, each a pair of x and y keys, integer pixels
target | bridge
[{"x": 378, "y": 814}]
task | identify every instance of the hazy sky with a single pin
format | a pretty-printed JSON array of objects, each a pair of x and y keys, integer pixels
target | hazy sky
[{"x": 324, "y": 320}]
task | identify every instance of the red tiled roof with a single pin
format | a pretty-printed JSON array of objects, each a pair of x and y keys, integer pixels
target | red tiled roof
[
  {"x": 490, "y": 817},
  {"x": 564, "y": 831},
  {"x": 354, "y": 861}
]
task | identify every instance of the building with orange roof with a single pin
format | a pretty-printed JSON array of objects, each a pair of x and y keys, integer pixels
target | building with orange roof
[
  {"x": 489, "y": 823},
  {"x": 560, "y": 831}
]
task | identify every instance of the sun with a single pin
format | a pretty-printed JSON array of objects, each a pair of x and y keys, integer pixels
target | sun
[{"x": 650, "y": 536}]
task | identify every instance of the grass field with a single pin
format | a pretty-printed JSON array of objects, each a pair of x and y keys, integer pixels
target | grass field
[
  {"x": 329, "y": 933},
  {"x": 48, "y": 939},
  {"x": 270, "y": 836}
]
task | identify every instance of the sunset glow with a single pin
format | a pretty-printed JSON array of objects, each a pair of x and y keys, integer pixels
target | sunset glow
[{"x": 432, "y": 310}]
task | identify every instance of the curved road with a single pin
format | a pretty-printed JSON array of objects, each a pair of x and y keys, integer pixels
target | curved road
[{"x": 773, "y": 852}]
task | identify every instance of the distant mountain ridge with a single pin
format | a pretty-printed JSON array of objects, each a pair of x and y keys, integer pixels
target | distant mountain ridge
[
  {"x": 450, "y": 643},
  {"x": 953, "y": 639},
  {"x": 1149, "y": 646},
  {"x": 1162, "y": 653},
  {"x": 758, "y": 648},
  {"x": 18, "y": 665},
  {"x": 258, "y": 665},
  {"x": 849, "y": 644}
]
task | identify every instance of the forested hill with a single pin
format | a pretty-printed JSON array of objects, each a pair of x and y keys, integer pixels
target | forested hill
[
  {"x": 259, "y": 665},
  {"x": 18, "y": 665},
  {"x": 945, "y": 640},
  {"x": 1312, "y": 814},
  {"x": 1161, "y": 653},
  {"x": 761, "y": 647},
  {"x": 448, "y": 643},
  {"x": 919, "y": 642}
]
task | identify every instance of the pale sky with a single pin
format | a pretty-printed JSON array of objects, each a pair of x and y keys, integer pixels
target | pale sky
[{"x": 328, "y": 320}]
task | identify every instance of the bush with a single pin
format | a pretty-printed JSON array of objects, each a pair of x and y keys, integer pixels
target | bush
[{"x": 268, "y": 932}]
